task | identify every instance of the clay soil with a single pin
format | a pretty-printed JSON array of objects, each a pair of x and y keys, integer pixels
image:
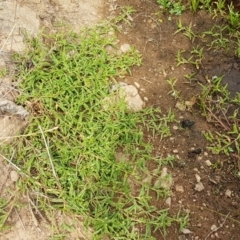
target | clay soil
[{"x": 156, "y": 41}]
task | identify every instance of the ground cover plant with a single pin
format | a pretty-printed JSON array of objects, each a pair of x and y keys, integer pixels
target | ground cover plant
[
  {"x": 105, "y": 165},
  {"x": 67, "y": 155}
]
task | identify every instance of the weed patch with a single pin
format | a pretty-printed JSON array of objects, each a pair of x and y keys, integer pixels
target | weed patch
[{"x": 68, "y": 152}]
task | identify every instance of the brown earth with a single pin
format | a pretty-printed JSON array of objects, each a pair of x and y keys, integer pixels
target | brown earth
[
  {"x": 156, "y": 41},
  {"x": 219, "y": 202}
]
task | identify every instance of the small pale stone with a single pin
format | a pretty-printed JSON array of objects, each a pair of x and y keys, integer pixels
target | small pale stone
[
  {"x": 175, "y": 127},
  {"x": 180, "y": 106},
  {"x": 214, "y": 227},
  {"x": 208, "y": 163},
  {"x": 186, "y": 231},
  {"x": 179, "y": 188},
  {"x": 164, "y": 181},
  {"x": 198, "y": 178},
  {"x": 199, "y": 187},
  {"x": 125, "y": 48},
  {"x": 14, "y": 176},
  {"x": 145, "y": 99},
  {"x": 228, "y": 193},
  {"x": 175, "y": 151},
  {"x": 216, "y": 235},
  {"x": 137, "y": 84},
  {"x": 168, "y": 201}
]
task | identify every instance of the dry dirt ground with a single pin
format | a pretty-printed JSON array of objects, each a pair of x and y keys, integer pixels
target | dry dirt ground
[{"x": 217, "y": 206}]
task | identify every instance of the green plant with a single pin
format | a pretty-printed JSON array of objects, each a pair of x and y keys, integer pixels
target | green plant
[
  {"x": 196, "y": 56},
  {"x": 220, "y": 5},
  {"x": 175, "y": 8},
  {"x": 166, "y": 4},
  {"x": 226, "y": 143},
  {"x": 187, "y": 31},
  {"x": 218, "y": 33},
  {"x": 237, "y": 51},
  {"x": 194, "y": 5},
  {"x": 68, "y": 151},
  {"x": 157, "y": 123},
  {"x": 233, "y": 18},
  {"x": 175, "y": 93}
]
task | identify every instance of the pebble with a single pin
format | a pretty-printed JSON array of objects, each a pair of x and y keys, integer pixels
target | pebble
[
  {"x": 213, "y": 227},
  {"x": 175, "y": 151},
  {"x": 175, "y": 127},
  {"x": 137, "y": 84},
  {"x": 14, "y": 175},
  {"x": 181, "y": 237},
  {"x": 179, "y": 188},
  {"x": 168, "y": 201},
  {"x": 199, "y": 187},
  {"x": 186, "y": 231},
  {"x": 198, "y": 178},
  {"x": 180, "y": 106},
  {"x": 145, "y": 99},
  {"x": 208, "y": 163},
  {"x": 125, "y": 48},
  {"x": 228, "y": 193}
]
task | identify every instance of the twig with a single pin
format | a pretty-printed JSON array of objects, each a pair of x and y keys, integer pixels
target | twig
[
  {"x": 20, "y": 219},
  {"x": 218, "y": 120},
  {"x": 7, "y": 38},
  {"x": 49, "y": 155},
  {"x": 225, "y": 118},
  {"x": 220, "y": 226},
  {"x": 28, "y": 135},
  {"x": 36, "y": 209},
  {"x": 10, "y": 161},
  {"x": 143, "y": 78}
]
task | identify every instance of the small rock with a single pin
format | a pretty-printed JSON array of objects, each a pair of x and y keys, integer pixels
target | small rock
[
  {"x": 198, "y": 178},
  {"x": 164, "y": 181},
  {"x": 129, "y": 92},
  {"x": 186, "y": 231},
  {"x": 179, "y": 188},
  {"x": 216, "y": 235},
  {"x": 181, "y": 237},
  {"x": 180, "y": 106},
  {"x": 145, "y": 99},
  {"x": 125, "y": 48},
  {"x": 175, "y": 127},
  {"x": 137, "y": 84},
  {"x": 208, "y": 163},
  {"x": 228, "y": 193},
  {"x": 14, "y": 176},
  {"x": 214, "y": 228},
  {"x": 199, "y": 187},
  {"x": 175, "y": 151},
  {"x": 168, "y": 201}
]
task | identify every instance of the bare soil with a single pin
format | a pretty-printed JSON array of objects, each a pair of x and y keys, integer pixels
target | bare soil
[{"x": 156, "y": 41}]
